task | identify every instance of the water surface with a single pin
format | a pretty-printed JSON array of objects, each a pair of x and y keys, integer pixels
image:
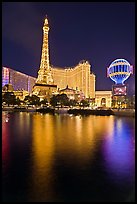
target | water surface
[{"x": 67, "y": 158}]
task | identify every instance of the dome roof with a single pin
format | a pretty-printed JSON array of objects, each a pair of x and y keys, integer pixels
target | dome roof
[{"x": 119, "y": 62}]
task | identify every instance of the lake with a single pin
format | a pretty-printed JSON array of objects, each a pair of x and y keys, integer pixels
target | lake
[{"x": 67, "y": 158}]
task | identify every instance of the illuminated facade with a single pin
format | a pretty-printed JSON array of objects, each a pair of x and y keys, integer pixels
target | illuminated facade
[
  {"x": 72, "y": 94},
  {"x": 78, "y": 77},
  {"x": 18, "y": 80},
  {"x": 103, "y": 98},
  {"x": 18, "y": 93}
]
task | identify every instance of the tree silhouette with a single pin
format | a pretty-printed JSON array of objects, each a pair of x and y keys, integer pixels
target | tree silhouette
[
  {"x": 9, "y": 98},
  {"x": 61, "y": 99},
  {"x": 44, "y": 101},
  {"x": 84, "y": 103},
  {"x": 32, "y": 100}
]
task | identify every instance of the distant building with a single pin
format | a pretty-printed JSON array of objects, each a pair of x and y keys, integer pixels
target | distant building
[
  {"x": 72, "y": 94},
  {"x": 18, "y": 80},
  {"x": 103, "y": 98},
  {"x": 18, "y": 93}
]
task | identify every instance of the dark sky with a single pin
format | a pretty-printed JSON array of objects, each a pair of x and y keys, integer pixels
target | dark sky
[{"x": 97, "y": 32}]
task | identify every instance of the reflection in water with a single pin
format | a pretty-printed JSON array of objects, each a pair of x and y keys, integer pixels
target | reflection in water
[
  {"x": 5, "y": 142},
  {"x": 42, "y": 159},
  {"x": 119, "y": 148},
  {"x": 67, "y": 158}
]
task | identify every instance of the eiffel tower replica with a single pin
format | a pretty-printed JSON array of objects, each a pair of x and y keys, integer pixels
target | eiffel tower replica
[{"x": 44, "y": 86}]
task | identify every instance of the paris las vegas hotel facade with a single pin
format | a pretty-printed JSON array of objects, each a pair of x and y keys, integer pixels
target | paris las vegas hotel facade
[{"x": 78, "y": 78}]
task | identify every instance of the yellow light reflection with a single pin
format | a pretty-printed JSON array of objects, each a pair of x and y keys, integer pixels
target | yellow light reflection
[
  {"x": 69, "y": 140},
  {"x": 110, "y": 127},
  {"x": 43, "y": 150},
  {"x": 23, "y": 121}
]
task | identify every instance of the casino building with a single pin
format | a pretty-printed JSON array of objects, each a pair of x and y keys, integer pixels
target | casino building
[
  {"x": 18, "y": 80},
  {"x": 78, "y": 77},
  {"x": 79, "y": 80},
  {"x": 56, "y": 78}
]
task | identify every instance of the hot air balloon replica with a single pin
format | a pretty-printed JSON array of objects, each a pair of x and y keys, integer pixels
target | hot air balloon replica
[{"x": 119, "y": 71}]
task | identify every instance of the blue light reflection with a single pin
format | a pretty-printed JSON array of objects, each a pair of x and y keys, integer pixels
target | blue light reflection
[{"x": 118, "y": 157}]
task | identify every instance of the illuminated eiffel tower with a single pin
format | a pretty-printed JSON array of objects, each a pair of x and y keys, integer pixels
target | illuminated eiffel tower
[{"x": 44, "y": 86}]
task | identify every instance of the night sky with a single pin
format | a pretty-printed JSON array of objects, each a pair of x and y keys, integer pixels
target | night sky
[{"x": 97, "y": 32}]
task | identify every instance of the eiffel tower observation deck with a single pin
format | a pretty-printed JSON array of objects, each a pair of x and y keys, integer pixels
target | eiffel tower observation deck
[{"x": 44, "y": 86}]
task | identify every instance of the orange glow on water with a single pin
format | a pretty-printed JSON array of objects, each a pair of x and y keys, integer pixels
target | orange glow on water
[{"x": 43, "y": 151}]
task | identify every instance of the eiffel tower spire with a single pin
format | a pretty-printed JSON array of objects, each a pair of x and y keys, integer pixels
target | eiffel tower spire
[
  {"x": 44, "y": 86},
  {"x": 44, "y": 73}
]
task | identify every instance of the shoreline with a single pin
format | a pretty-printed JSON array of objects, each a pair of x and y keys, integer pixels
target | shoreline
[{"x": 126, "y": 113}]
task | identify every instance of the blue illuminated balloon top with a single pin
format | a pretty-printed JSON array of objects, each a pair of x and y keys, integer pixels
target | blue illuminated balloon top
[{"x": 119, "y": 71}]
